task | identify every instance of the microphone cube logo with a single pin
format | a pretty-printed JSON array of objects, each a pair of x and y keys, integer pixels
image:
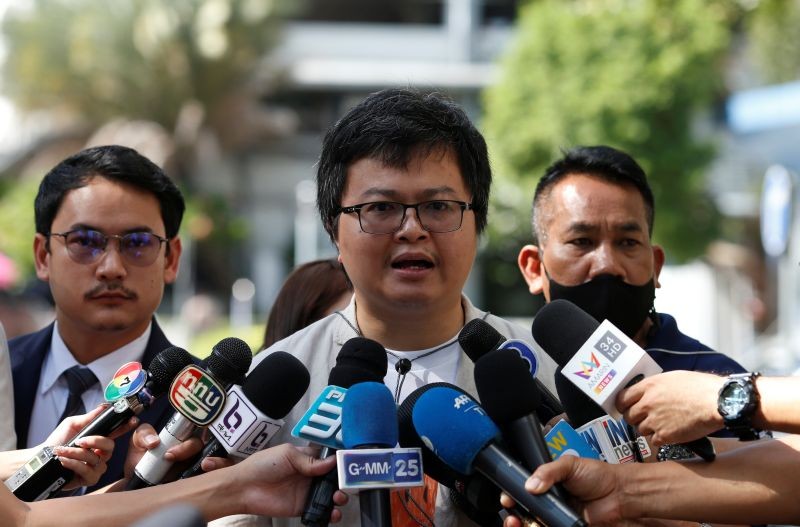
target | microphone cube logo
[
  {"x": 196, "y": 395},
  {"x": 598, "y": 374},
  {"x": 322, "y": 423},
  {"x": 610, "y": 346},
  {"x": 241, "y": 427}
]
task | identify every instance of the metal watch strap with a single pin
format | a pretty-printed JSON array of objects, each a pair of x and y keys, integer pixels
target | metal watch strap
[{"x": 742, "y": 426}]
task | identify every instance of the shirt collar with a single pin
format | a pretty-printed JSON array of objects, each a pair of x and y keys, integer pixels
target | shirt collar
[{"x": 60, "y": 359}]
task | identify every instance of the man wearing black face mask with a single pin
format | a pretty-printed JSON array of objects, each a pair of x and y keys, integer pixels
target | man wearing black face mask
[{"x": 593, "y": 217}]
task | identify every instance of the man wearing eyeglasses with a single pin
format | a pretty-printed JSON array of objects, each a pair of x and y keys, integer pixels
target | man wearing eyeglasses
[
  {"x": 106, "y": 242},
  {"x": 402, "y": 189}
]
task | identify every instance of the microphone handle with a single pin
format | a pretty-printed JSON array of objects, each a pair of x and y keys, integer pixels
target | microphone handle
[
  {"x": 213, "y": 449},
  {"x": 376, "y": 510},
  {"x": 550, "y": 406},
  {"x": 319, "y": 503},
  {"x": 703, "y": 448},
  {"x": 110, "y": 419},
  {"x": 510, "y": 477},
  {"x": 153, "y": 467},
  {"x": 136, "y": 483},
  {"x": 525, "y": 436}
]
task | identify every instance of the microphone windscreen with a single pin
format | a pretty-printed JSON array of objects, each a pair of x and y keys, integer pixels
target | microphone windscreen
[
  {"x": 478, "y": 338},
  {"x": 276, "y": 384},
  {"x": 360, "y": 360},
  {"x": 165, "y": 367},
  {"x": 580, "y": 408},
  {"x": 369, "y": 416},
  {"x": 561, "y": 328},
  {"x": 507, "y": 390},
  {"x": 453, "y": 425},
  {"x": 434, "y": 467},
  {"x": 229, "y": 360}
]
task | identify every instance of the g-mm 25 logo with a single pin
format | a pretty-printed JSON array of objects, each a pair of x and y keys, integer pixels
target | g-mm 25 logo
[{"x": 196, "y": 395}]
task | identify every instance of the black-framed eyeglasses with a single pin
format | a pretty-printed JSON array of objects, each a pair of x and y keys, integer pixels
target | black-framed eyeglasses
[
  {"x": 86, "y": 246},
  {"x": 386, "y": 217}
]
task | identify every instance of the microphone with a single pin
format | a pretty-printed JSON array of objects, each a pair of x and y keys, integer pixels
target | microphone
[
  {"x": 474, "y": 494},
  {"x": 599, "y": 360},
  {"x": 463, "y": 437},
  {"x": 477, "y": 338},
  {"x": 198, "y": 397},
  {"x": 369, "y": 421},
  {"x": 508, "y": 394},
  {"x": 43, "y": 476},
  {"x": 254, "y": 413},
  {"x": 359, "y": 360}
]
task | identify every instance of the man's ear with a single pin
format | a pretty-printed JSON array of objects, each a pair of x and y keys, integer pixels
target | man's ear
[
  {"x": 41, "y": 257},
  {"x": 658, "y": 262},
  {"x": 530, "y": 265},
  {"x": 172, "y": 260}
]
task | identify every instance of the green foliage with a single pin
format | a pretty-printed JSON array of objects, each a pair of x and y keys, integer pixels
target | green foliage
[
  {"x": 17, "y": 225},
  {"x": 137, "y": 58},
  {"x": 774, "y": 33},
  {"x": 628, "y": 73}
]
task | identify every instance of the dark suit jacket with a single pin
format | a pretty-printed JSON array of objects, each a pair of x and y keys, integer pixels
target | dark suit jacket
[{"x": 27, "y": 357}]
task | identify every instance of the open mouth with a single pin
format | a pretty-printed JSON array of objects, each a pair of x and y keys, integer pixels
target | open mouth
[{"x": 412, "y": 264}]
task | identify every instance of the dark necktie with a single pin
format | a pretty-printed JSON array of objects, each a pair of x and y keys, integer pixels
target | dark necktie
[{"x": 79, "y": 379}]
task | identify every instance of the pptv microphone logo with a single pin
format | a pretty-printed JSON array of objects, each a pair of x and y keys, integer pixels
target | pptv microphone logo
[
  {"x": 598, "y": 374},
  {"x": 196, "y": 395}
]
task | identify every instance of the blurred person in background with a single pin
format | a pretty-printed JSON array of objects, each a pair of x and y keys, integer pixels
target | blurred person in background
[
  {"x": 8, "y": 438},
  {"x": 106, "y": 242},
  {"x": 312, "y": 291}
]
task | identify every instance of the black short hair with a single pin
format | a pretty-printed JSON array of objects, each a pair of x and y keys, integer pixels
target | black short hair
[
  {"x": 115, "y": 163},
  {"x": 394, "y": 126},
  {"x": 600, "y": 161}
]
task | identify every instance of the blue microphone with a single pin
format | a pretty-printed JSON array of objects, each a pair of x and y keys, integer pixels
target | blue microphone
[
  {"x": 458, "y": 431},
  {"x": 369, "y": 420}
]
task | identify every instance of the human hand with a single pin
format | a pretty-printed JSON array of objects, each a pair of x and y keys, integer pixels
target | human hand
[
  {"x": 275, "y": 481},
  {"x": 89, "y": 457},
  {"x": 594, "y": 484},
  {"x": 146, "y": 438},
  {"x": 675, "y": 407}
]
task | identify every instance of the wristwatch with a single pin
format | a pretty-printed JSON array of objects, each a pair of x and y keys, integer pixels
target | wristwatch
[{"x": 737, "y": 402}]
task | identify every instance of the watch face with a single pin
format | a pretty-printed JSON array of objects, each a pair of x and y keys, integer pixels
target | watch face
[{"x": 734, "y": 398}]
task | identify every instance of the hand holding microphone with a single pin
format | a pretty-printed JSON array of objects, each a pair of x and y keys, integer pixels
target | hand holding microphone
[{"x": 675, "y": 406}]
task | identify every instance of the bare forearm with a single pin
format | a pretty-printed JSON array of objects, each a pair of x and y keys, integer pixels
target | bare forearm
[
  {"x": 778, "y": 409},
  {"x": 755, "y": 484},
  {"x": 215, "y": 494}
]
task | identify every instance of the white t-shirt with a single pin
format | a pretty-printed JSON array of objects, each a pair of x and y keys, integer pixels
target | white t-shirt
[{"x": 437, "y": 364}]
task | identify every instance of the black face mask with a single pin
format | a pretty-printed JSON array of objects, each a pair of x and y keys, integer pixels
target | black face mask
[{"x": 609, "y": 297}]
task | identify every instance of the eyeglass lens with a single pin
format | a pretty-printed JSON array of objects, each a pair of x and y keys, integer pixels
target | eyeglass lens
[
  {"x": 138, "y": 248},
  {"x": 384, "y": 217}
]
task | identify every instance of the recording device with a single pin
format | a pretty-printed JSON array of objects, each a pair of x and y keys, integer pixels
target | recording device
[
  {"x": 43, "y": 476},
  {"x": 359, "y": 360},
  {"x": 596, "y": 358},
  {"x": 369, "y": 421},
  {"x": 509, "y": 395},
  {"x": 254, "y": 413},
  {"x": 477, "y": 338},
  {"x": 463, "y": 437},
  {"x": 198, "y": 396}
]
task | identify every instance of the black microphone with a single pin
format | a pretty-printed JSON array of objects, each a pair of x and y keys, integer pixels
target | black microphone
[
  {"x": 478, "y": 337},
  {"x": 254, "y": 413},
  {"x": 359, "y": 360},
  {"x": 198, "y": 396},
  {"x": 463, "y": 437},
  {"x": 43, "y": 476},
  {"x": 369, "y": 420},
  {"x": 561, "y": 328},
  {"x": 509, "y": 395}
]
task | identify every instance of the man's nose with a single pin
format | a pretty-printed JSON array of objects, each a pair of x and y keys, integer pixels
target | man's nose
[
  {"x": 411, "y": 228},
  {"x": 606, "y": 261},
  {"x": 111, "y": 265}
]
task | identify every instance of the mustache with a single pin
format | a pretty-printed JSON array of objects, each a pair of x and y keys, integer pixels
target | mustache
[{"x": 108, "y": 287}]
